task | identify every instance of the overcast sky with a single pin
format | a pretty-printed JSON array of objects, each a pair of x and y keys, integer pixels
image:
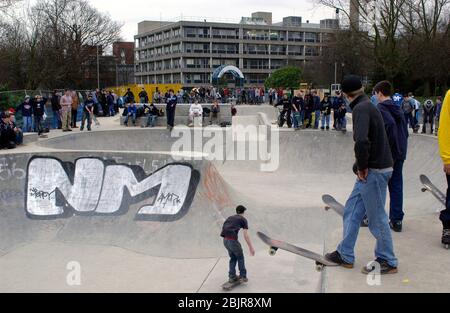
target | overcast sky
[{"x": 131, "y": 12}]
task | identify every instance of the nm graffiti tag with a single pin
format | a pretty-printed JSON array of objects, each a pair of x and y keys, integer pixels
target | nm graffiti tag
[{"x": 95, "y": 186}]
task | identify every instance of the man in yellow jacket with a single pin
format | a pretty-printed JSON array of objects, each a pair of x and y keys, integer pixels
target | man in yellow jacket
[{"x": 444, "y": 146}]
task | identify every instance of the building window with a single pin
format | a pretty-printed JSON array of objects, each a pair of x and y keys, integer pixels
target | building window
[
  {"x": 295, "y": 50},
  {"x": 277, "y": 35},
  {"x": 295, "y": 36},
  {"x": 312, "y": 51},
  {"x": 225, "y": 33},
  {"x": 256, "y": 64},
  {"x": 311, "y": 37},
  {"x": 225, "y": 48},
  {"x": 277, "y": 50},
  {"x": 256, "y": 49},
  {"x": 256, "y": 34},
  {"x": 276, "y": 64},
  {"x": 197, "y": 48},
  {"x": 193, "y": 32}
]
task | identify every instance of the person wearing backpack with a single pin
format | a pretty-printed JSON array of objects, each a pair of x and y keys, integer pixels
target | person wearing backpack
[{"x": 408, "y": 108}]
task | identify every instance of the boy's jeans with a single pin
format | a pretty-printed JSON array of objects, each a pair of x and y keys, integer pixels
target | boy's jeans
[
  {"x": 133, "y": 118},
  {"x": 27, "y": 124},
  {"x": 56, "y": 119},
  {"x": 325, "y": 121},
  {"x": 236, "y": 257},
  {"x": 151, "y": 120},
  {"x": 368, "y": 198},
  {"x": 297, "y": 119},
  {"x": 317, "y": 120},
  {"x": 86, "y": 116}
]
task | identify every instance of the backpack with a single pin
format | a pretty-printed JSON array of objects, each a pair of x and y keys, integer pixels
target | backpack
[{"x": 407, "y": 107}]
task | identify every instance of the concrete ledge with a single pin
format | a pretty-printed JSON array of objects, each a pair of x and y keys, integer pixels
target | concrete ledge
[{"x": 30, "y": 138}]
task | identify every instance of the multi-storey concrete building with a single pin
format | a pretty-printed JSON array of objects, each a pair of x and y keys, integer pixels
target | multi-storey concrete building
[{"x": 187, "y": 52}]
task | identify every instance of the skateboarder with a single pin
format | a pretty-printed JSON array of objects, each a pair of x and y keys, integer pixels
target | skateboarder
[
  {"x": 230, "y": 232},
  {"x": 444, "y": 145},
  {"x": 429, "y": 111},
  {"x": 397, "y": 132},
  {"x": 374, "y": 169}
]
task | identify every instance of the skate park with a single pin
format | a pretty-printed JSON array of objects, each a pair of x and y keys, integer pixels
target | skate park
[{"x": 135, "y": 250}]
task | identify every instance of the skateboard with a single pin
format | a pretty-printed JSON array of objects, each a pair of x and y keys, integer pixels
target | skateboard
[
  {"x": 430, "y": 187},
  {"x": 230, "y": 286},
  {"x": 332, "y": 204},
  {"x": 276, "y": 245}
]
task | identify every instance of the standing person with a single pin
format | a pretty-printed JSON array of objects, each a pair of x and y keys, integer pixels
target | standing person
[
  {"x": 286, "y": 113},
  {"x": 309, "y": 108},
  {"x": 88, "y": 113},
  {"x": 342, "y": 118},
  {"x": 416, "y": 112},
  {"x": 27, "y": 114},
  {"x": 104, "y": 103},
  {"x": 230, "y": 235},
  {"x": 297, "y": 106},
  {"x": 373, "y": 168},
  {"x": 56, "y": 108},
  {"x": 325, "y": 108},
  {"x": 129, "y": 96},
  {"x": 337, "y": 103},
  {"x": 408, "y": 108},
  {"x": 75, "y": 105},
  {"x": 438, "y": 114},
  {"x": 66, "y": 110},
  {"x": 429, "y": 112},
  {"x": 444, "y": 147},
  {"x": 171, "y": 107},
  {"x": 143, "y": 96},
  {"x": 215, "y": 113},
  {"x": 397, "y": 132},
  {"x": 39, "y": 112},
  {"x": 110, "y": 103},
  {"x": 317, "y": 109}
]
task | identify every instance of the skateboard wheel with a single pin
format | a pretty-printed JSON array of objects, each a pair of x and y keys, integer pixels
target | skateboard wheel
[
  {"x": 424, "y": 189},
  {"x": 319, "y": 268},
  {"x": 273, "y": 251}
]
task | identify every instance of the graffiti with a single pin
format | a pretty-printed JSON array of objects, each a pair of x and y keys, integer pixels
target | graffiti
[
  {"x": 37, "y": 194},
  {"x": 9, "y": 170},
  {"x": 94, "y": 186},
  {"x": 170, "y": 198}
]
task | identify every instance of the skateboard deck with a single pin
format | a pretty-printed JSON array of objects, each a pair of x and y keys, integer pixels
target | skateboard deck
[
  {"x": 332, "y": 204},
  {"x": 230, "y": 286},
  {"x": 430, "y": 187},
  {"x": 276, "y": 245}
]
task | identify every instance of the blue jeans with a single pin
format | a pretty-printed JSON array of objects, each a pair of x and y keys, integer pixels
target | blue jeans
[
  {"x": 317, "y": 120},
  {"x": 133, "y": 117},
  {"x": 236, "y": 254},
  {"x": 86, "y": 116},
  {"x": 368, "y": 198},
  {"x": 342, "y": 123},
  {"x": 325, "y": 121},
  {"x": 297, "y": 119},
  {"x": 112, "y": 110},
  {"x": 151, "y": 120},
  {"x": 396, "y": 193},
  {"x": 56, "y": 119},
  {"x": 27, "y": 124}
]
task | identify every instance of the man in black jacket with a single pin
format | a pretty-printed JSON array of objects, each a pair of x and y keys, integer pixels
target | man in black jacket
[
  {"x": 397, "y": 132},
  {"x": 286, "y": 113},
  {"x": 374, "y": 169}
]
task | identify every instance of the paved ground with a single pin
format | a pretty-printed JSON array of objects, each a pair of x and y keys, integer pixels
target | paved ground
[{"x": 118, "y": 254}]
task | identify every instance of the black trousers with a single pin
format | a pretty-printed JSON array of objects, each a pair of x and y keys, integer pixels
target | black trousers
[
  {"x": 170, "y": 116},
  {"x": 445, "y": 215},
  {"x": 73, "y": 123}
]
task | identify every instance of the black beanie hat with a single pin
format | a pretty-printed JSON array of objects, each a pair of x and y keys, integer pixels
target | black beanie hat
[{"x": 351, "y": 83}]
